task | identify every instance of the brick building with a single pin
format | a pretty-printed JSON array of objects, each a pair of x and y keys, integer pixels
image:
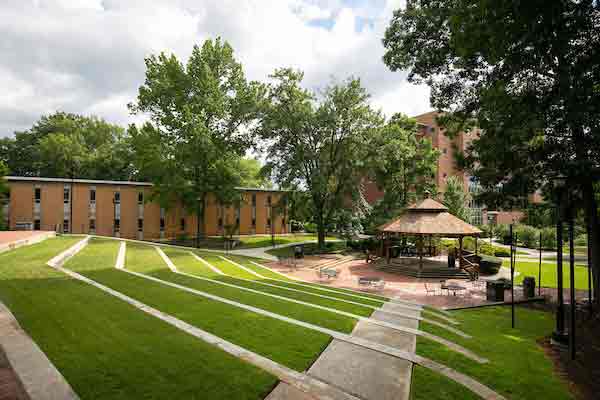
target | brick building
[{"x": 123, "y": 209}]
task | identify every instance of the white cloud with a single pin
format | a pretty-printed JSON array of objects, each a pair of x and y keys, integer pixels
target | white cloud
[{"x": 88, "y": 56}]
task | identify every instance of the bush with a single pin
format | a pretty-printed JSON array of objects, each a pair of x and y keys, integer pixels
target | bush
[
  {"x": 528, "y": 236},
  {"x": 489, "y": 265},
  {"x": 296, "y": 226},
  {"x": 501, "y": 252},
  {"x": 581, "y": 240},
  {"x": 363, "y": 244},
  {"x": 548, "y": 238},
  {"x": 310, "y": 227}
]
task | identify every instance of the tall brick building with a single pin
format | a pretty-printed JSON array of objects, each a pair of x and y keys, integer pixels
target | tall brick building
[{"x": 123, "y": 209}]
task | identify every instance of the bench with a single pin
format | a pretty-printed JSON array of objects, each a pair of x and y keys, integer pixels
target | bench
[{"x": 329, "y": 273}]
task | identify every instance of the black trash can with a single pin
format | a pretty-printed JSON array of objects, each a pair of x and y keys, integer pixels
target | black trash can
[
  {"x": 494, "y": 291},
  {"x": 529, "y": 287},
  {"x": 299, "y": 251}
]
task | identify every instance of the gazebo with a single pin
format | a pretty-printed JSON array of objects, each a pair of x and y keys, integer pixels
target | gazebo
[{"x": 427, "y": 218}]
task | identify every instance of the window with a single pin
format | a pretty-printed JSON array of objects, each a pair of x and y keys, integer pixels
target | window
[
  {"x": 37, "y": 225},
  {"x": 38, "y": 195},
  {"x": 140, "y": 197},
  {"x": 445, "y": 150},
  {"x": 92, "y": 196},
  {"x": 254, "y": 200},
  {"x": 220, "y": 222},
  {"x": 283, "y": 222},
  {"x": 182, "y": 224},
  {"x": 117, "y": 225},
  {"x": 140, "y": 225},
  {"x": 269, "y": 201},
  {"x": 237, "y": 221},
  {"x": 254, "y": 222},
  {"x": 66, "y": 195},
  {"x": 268, "y": 222},
  {"x": 66, "y": 225},
  {"x": 162, "y": 224},
  {"x": 92, "y": 224},
  {"x": 117, "y": 197},
  {"x": 445, "y": 175}
]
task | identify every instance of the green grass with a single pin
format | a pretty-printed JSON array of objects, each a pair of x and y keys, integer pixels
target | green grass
[
  {"x": 232, "y": 270},
  {"x": 266, "y": 241},
  {"x": 518, "y": 367},
  {"x": 549, "y": 275},
  {"x": 288, "y": 344},
  {"x": 107, "y": 349},
  {"x": 188, "y": 264}
]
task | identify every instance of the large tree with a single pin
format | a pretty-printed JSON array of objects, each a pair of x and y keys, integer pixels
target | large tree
[
  {"x": 200, "y": 116},
  {"x": 317, "y": 143},
  {"x": 528, "y": 73},
  {"x": 401, "y": 164},
  {"x": 69, "y": 145}
]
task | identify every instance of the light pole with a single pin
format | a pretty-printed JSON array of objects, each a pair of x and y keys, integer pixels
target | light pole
[{"x": 559, "y": 335}]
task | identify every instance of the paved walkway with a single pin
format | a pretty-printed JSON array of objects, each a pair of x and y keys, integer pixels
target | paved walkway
[
  {"x": 12, "y": 239},
  {"x": 261, "y": 252}
]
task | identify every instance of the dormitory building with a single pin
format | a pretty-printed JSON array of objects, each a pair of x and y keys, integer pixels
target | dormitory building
[{"x": 125, "y": 209}]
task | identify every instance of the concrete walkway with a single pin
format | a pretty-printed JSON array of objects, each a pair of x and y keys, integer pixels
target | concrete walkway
[
  {"x": 38, "y": 376},
  {"x": 261, "y": 252}
]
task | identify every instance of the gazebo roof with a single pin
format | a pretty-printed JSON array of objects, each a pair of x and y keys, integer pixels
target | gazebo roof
[{"x": 429, "y": 217}]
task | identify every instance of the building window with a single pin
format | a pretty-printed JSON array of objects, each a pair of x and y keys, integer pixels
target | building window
[
  {"x": 445, "y": 150},
  {"x": 445, "y": 175},
  {"x": 66, "y": 195},
  {"x": 92, "y": 196},
  {"x": 254, "y": 222},
  {"x": 220, "y": 222},
  {"x": 140, "y": 197},
  {"x": 117, "y": 197},
  {"x": 92, "y": 224},
  {"x": 37, "y": 225},
  {"x": 269, "y": 222},
  {"x": 162, "y": 224},
  {"x": 140, "y": 225},
  {"x": 269, "y": 201},
  {"x": 66, "y": 225},
  {"x": 254, "y": 200},
  {"x": 38, "y": 195},
  {"x": 117, "y": 225},
  {"x": 283, "y": 222},
  {"x": 182, "y": 224}
]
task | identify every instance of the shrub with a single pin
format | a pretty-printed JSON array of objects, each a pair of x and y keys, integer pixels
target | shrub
[
  {"x": 548, "y": 238},
  {"x": 501, "y": 252},
  {"x": 489, "y": 265},
  {"x": 581, "y": 240},
  {"x": 296, "y": 226},
  {"x": 310, "y": 227},
  {"x": 528, "y": 236}
]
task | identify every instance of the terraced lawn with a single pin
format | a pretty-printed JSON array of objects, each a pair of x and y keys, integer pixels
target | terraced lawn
[
  {"x": 518, "y": 367},
  {"x": 288, "y": 344},
  {"x": 106, "y": 348}
]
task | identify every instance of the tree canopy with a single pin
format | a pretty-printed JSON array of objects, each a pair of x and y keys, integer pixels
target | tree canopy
[
  {"x": 69, "y": 145},
  {"x": 200, "y": 118},
  {"x": 317, "y": 144},
  {"x": 528, "y": 74},
  {"x": 456, "y": 199}
]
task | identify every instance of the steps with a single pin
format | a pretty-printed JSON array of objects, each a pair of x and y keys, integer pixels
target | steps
[
  {"x": 329, "y": 264},
  {"x": 431, "y": 273}
]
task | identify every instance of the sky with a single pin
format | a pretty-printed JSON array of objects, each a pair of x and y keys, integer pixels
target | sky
[{"x": 87, "y": 56}]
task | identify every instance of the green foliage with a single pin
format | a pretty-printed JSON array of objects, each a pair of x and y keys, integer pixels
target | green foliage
[
  {"x": 456, "y": 199},
  {"x": 548, "y": 238},
  {"x": 489, "y": 265},
  {"x": 318, "y": 143},
  {"x": 251, "y": 174},
  {"x": 527, "y": 235},
  {"x": 200, "y": 114},
  {"x": 69, "y": 145},
  {"x": 540, "y": 215},
  {"x": 3, "y": 193}
]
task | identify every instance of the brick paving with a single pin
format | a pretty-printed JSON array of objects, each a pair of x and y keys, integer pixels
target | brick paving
[{"x": 10, "y": 386}]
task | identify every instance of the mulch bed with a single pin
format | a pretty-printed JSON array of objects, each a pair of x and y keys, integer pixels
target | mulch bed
[
  {"x": 583, "y": 374},
  {"x": 10, "y": 386}
]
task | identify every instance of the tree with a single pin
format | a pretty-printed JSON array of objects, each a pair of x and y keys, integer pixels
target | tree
[
  {"x": 252, "y": 174},
  {"x": 69, "y": 145},
  {"x": 527, "y": 73},
  {"x": 3, "y": 192},
  {"x": 318, "y": 145},
  {"x": 200, "y": 118},
  {"x": 401, "y": 164},
  {"x": 456, "y": 199}
]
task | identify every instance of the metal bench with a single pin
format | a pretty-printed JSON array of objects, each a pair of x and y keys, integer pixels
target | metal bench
[{"x": 329, "y": 273}]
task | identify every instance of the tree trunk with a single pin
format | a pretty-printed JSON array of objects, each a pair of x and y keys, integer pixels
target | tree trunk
[
  {"x": 320, "y": 231},
  {"x": 593, "y": 231},
  {"x": 200, "y": 219}
]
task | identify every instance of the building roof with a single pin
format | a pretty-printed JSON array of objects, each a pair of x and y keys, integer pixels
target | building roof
[
  {"x": 429, "y": 217},
  {"x": 108, "y": 182}
]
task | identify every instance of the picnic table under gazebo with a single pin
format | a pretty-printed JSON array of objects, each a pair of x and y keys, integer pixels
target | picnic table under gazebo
[{"x": 428, "y": 219}]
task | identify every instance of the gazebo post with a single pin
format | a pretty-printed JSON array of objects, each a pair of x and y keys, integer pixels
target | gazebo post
[
  {"x": 420, "y": 252},
  {"x": 476, "y": 252},
  {"x": 460, "y": 250},
  {"x": 387, "y": 248}
]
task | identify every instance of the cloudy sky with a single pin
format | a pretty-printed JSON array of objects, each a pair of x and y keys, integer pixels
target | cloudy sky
[{"x": 87, "y": 56}]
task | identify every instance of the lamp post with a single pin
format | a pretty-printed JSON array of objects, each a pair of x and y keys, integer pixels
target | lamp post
[{"x": 559, "y": 335}]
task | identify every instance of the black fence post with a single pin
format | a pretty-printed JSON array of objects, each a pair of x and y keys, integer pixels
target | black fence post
[
  {"x": 572, "y": 277},
  {"x": 512, "y": 276}
]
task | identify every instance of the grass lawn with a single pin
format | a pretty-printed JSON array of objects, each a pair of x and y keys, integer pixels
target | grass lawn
[
  {"x": 288, "y": 344},
  {"x": 232, "y": 270},
  {"x": 309, "y": 249},
  {"x": 518, "y": 367},
  {"x": 188, "y": 264},
  {"x": 105, "y": 347},
  {"x": 549, "y": 274},
  {"x": 253, "y": 241}
]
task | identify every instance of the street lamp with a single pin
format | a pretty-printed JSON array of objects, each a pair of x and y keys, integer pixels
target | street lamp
[{"x": 560, "y": 336}]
